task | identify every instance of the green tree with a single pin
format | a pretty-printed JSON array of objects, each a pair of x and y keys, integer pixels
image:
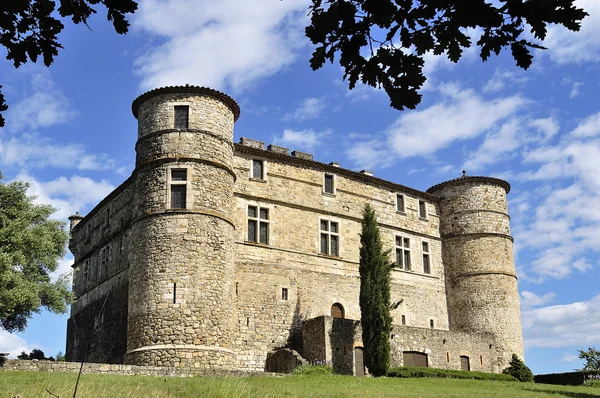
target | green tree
[
  {"x": 374, "y": 299},
  {"x": 591, "y": 356},
  {"x": 30, "y": 246},
  {"x": 29, "y": 28},
  {"x": 60, "y": 357},
  {"x": 382, "y": 42},
  {"x": 518, "y": 370},
  {"x": 35, "y": 354}
]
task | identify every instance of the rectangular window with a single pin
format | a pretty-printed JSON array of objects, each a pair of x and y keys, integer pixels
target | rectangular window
[
  {"x": 404, "y": 319},
  {"x": 422, "y": 209},
  {"x": 178, "y": 188},
  {"x": 258, "y": 169},
  {"x": 86, "y": 275},
  {"x": 258, "y": 225},
  {"x": 400, "y": 202},
  {"x": 330, "y": 239},
  {"x": 181, "y": 116},
  {"x": 104, "y": 257},
  {"x": 284, "y": 293},
  {"x": 431, "y": 323},
  {"x": 403, "y": 253},
  {"x": 426, "y": 259},
  {"x": 328, "y": 186}
]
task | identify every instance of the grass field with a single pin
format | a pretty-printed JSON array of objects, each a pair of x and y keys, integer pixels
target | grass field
[{"x": 34, "y": 384}]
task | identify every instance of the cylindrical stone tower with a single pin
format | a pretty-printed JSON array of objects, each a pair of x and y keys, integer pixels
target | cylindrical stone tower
[
  {"x": 481, "y": 282},
  {"x": 181, "y": 245}
]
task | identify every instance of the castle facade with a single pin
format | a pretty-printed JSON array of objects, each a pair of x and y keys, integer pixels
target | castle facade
[{"x": 217, "y": 255}]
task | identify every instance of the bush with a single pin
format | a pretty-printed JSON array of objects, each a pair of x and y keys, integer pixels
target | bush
[
  {"x": 447, "y": 373},
  {"x": 518, "y": 369},
  {"x": 313, "y": 369},
  {"x": 592, "y": 383}
]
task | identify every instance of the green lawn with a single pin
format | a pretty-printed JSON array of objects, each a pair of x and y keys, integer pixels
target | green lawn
[{"x": 34, "y": 384}]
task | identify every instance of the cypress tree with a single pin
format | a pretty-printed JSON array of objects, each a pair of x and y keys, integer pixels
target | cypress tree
[{"x": 375, "y": 304}]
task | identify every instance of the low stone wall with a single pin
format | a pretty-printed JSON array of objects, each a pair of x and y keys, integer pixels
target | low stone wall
[{"x": 101, "y": 368}]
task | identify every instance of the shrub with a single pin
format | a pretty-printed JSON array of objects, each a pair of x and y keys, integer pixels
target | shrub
[
  {"x": 313, "y": 369},
  {"x": 518, "y": 369},
  {"x": 447, "y": 373},
  {"x": 592, "y": 383}
]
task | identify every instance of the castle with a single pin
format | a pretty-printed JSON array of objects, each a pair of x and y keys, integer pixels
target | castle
[{"x": 215, "y": 255}]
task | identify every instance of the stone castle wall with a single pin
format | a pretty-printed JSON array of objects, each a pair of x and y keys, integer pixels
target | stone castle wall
[{"x": 185, "y": 287}]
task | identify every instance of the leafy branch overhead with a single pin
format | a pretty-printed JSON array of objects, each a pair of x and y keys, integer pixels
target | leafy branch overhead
[
  {"x": 381, "y": 43},
  {"x": 29, "y": 29}
]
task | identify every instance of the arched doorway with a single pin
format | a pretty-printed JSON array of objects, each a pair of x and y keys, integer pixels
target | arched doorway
[
  {"x": 337, "y": 311},
  {"x": 465, "y": 364}
]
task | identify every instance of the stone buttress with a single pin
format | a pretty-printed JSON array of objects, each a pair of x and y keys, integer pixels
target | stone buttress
[
  {"x": 181, "y": 253},
  {"x": 481, "y": 283}
]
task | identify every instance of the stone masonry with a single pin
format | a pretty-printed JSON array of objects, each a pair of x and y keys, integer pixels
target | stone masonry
[{"x": 214, "y": 255}]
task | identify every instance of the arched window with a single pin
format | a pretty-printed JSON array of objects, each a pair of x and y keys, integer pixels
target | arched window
[{"x": 337, "y": 311}]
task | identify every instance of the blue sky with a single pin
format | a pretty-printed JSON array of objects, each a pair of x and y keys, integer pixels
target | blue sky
[{"x": 71, "y": 134}]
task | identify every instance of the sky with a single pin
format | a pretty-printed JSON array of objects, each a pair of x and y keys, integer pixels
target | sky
[{"x": 71, "y": 135}]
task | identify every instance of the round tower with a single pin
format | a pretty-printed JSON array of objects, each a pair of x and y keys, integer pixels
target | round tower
[
  {"x": 181, "y": 245},
  {"x": 481, "y": 282}
]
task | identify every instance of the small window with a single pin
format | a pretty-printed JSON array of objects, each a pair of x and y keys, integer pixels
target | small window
[
  {"x": 330, "y": 238},
  {"x": 426, "y": 258},
  {"x": 86, "y": 275},
  {"x": 178, "y": 188},
  {"x": 328, "y": 186},
  {"x": 174, "y": 293},
  {"x": 337, "y": 311},
  {"x": 404, "y": 319},
  {"x": 400, "y": 203},
  {"x": 284, "y": 293},
  {"x": 422, "y": 209},
  {"x": 403, "y": 253},
  {"x": 181, "y": 116},
  {"x": 104, "y": 259},
  {"x": 258, "y": 169},
  {"x": 258, "y": 225},
  {"x": 431, "y": 323}
]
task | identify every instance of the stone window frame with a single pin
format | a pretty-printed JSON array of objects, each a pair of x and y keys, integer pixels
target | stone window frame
[
  {"x": 178, "y": 104},
  {"x": 103, "y": 264},
  {"x": 402, "y": 249},
  {"x": 422, "y": 205},
  {"x": 334, "y": 184},
  {"x": 189, "y": 197},
  {"x": 259, "y": 221},
  {"x": 328, "y": 232},
  {"x": 265, "y": 166},
  {"x": 285, "y": 293},
  {"x": 396, "y": 196},
  {"x": 426, "y": 254},
  {"x": 86, "y": 274}
]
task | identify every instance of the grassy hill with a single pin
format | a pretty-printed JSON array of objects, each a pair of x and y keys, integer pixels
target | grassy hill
[{"x": 34, "y": 384}]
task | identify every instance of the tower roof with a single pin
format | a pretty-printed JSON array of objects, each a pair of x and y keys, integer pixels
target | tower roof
[
  {"x": 235, "y": 108},
  {"x": 468, "y": 179}
]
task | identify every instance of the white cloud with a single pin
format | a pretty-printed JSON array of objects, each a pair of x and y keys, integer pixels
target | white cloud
[
  {"x": 67, "y": 195},
  {"x": 589, "y": 127},
  {"x": 13, "y": 344},
  {"x": 310, "y": 108},
  {"x": 31, "y": 151},
  {"x": 502, "y": 79},
  {"x": 576, "y": 324},
  {"x": 529, "y": 299},
  {"x": 226, "y": 45},
  {"x": 45, "y": 106},
  {"x": 460, "y": 115},
  {"x": 303, "y": 139},
  {"x": 565, "y": 47},
  {"x": 575, "y": 89},
  {"x": 569, "y": 358},
  {"x": 370, "y": 155}
]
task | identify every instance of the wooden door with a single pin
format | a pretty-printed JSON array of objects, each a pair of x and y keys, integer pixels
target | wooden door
[
  {"x": 359, "y": 362},
  {"x": 464, "y": 363},
  {"x": 413, "y": 358}
]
